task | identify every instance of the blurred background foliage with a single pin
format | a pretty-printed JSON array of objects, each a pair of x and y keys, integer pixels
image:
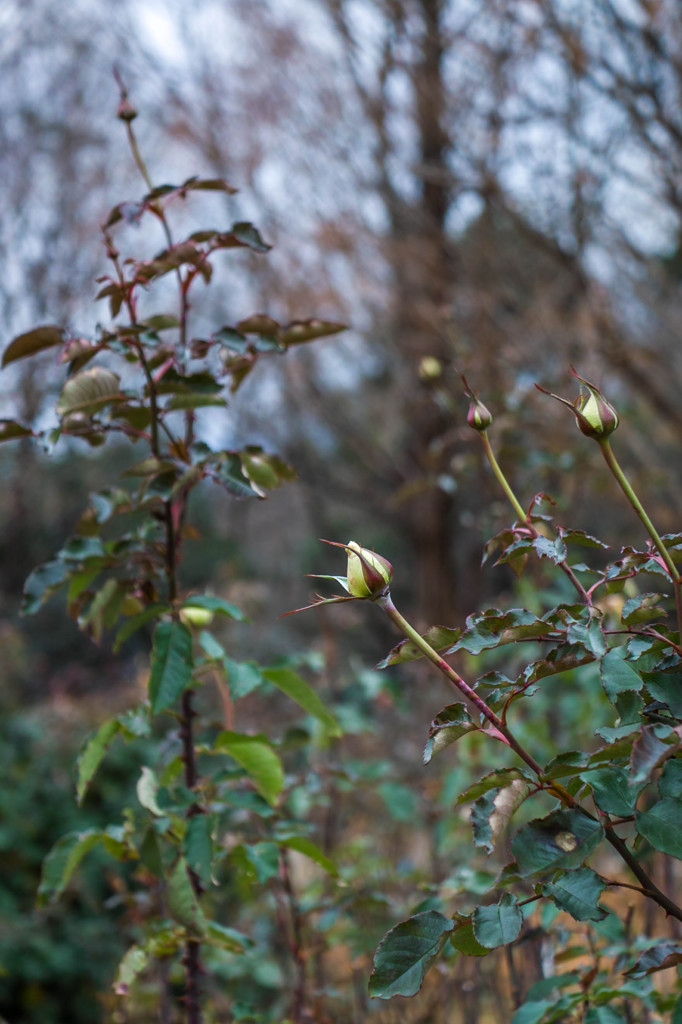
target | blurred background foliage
[{"x": 489, "y": 187}]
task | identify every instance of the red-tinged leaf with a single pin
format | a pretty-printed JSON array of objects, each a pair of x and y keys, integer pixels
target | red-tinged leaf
[
  {"x": 657, "y": 958},
  {"x": 28, "y": 344}
]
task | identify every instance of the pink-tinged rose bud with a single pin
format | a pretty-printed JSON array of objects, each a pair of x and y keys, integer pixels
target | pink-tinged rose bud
[
  {"x": 368, "y": 573},
  {"x": 479, "y": 417}
]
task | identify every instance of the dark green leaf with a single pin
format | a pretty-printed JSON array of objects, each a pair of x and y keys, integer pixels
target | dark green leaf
[
  {"x": 230, "y": 474},
  {"x": 611, "y": 790},
  {"x": 618, "y": 675},
  {"x": 226, "y": 938},
  {"x": 499, "y": 923},
  {"x": 171, "y": 669},
  {"x": 197, "y": 846},
  {"x": 642, "y": 607},
  {"x": 667, "y": 687},
  {"x": 661, "y": 825},
  {"x": 41, "y": 584},
  {"x": 406, "y": 953},
  {"x": 670, "y": 782},
  {"x": 289, "y": 682},
  {"x": 31, "y": 342},
  {"x": 578, "y": 893},
  {"x": 554, "y": 549},
  {"x": 248, "y": 235},
  {"x": 135, "y": 622},
  {"x": 448, "y": 725},
  {"x": 561, "y": 840},
  {"x": 10, "y": 430},
  {"x": 480, "y": 820}
]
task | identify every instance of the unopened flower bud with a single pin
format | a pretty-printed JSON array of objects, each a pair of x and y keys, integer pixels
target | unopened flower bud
[
  {"x": 597, "y": 418},
  {"x": 126, "y": 111},
  {"x": 368, "y": 573},
  {"x": 479, "y": 417}
]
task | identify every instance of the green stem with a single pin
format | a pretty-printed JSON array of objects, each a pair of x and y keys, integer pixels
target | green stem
[
  {"x": 502, "y": 480},
  {"x": 516, "y": 505},
  {"x": 625, "y": 486},
  {"x": 651, "y": 890},
  {"x": 453, "y": 677}
]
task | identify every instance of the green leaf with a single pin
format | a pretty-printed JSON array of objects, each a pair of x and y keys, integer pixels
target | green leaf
[
  {"x": 603, "y": 1015},
  {"x": 92, "y": 753},
  {"x": 208, "y": 184},
  {"x": 642, "y": 607},
  {"x": 554, "y": 549},
  {"x": 299, "y": 331},
  {"x": 437, "y": 637},
  {"x": 248, "y": 235},
  {"x": 171, "y": 670},
  {"x": 448, "y": 726},
  {"x": 33, "y": 341},
  {"x": 612, "y": 790},
  {"x": 405, "y": 954},
  {"x": 259, "y": 760},
  {"x": 243, "y": 677},
  {"x": 309, "y": 849},
  {"x": 62, "y": 861},
  {"x": 561, "y": 840},
  {"x": 181, "y": 900},
  {"x": 217, "y": 605},
  {"x": 135, "y": 622},
  {"x": 657, "y": 958},
  {"x": 578, "y": 893},
  {"x": 666, "y": 687},
  {"x": 197, "y": 846},
  {"x": 464, "y": 940},
  {"x": 89, "y": 391},
  {"x": 483, "y": 808},
  {"x": 42, "y": 584},
  {"x": 10, "y": 430},
  {"x": 226, "y": 938},
  {"x": 499, "y": 923},
  {"x": 289, "y": 682},
  {"x": 194, "y": 400},
  {"x": 533, "y": 1012},
  {"x": 661, "y": 825},
  {"x": 618, "y": 675},
  {"x": 258, "y": 861},
  {"x": 230, "y": 475},
  {"x": 130, "y": 967},
  {"x": 670, "y": 782}
]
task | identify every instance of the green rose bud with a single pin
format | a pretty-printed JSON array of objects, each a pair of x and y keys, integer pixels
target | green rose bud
[
  {"x": 595, "y": 416},
  {"x": 368, "y": 573}
]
